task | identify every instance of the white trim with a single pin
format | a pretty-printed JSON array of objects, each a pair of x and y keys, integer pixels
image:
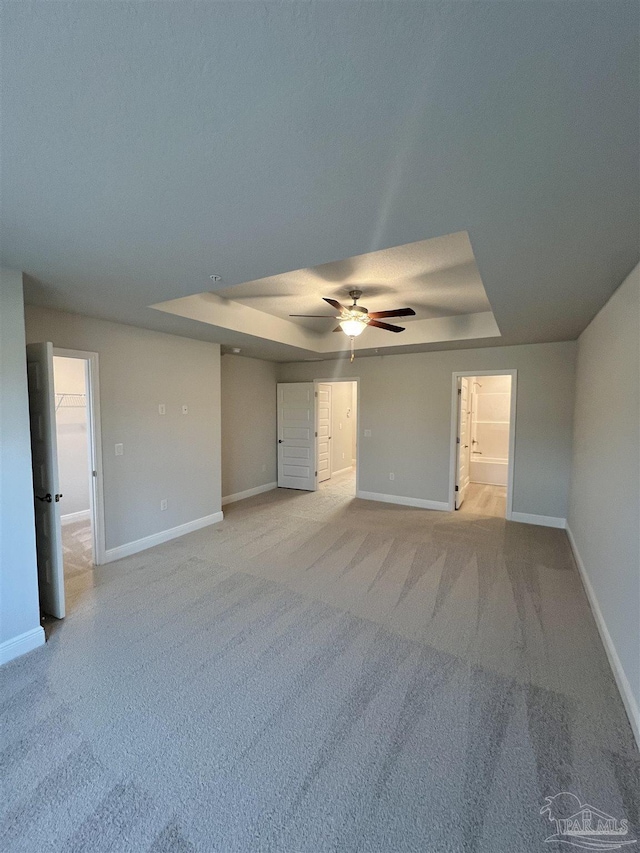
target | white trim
[
  {"x": 540, "y": 520},
  {"x": 628, "y": 699},
  {"x": 96, "y": 493},
  {"x": 442, "y": 506},
  {"x": 342, "y": 470},
  {"x": 21, "y": 644},
  {"x": 158, "y": 538},
  {"x": 509, "y": 515},
  {"x": 248, "y": 493},
  {"x": 71, "y": 517}
]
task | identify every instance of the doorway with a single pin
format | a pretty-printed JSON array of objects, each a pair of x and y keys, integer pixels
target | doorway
[
  {"x": 65, "y": 442},
  {"x": 75, "y": 473},
  {"x": 336, "y": 444},
  {"x": 317, "y": 429},
  {"x": 483, "y": 443}
]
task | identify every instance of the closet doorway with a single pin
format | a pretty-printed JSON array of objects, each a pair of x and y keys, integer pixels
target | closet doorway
[
  {"x": 77, "y": 420},
  {"x": 483, "y": 442}
]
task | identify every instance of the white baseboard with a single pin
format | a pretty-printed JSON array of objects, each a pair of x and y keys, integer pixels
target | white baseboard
[
  {"x": 248, "y": 493},
  {"x": 342, "y": 471},
  {"x": 121, "y": 551},
  {"x": 540, "y": 520},
  {"x": 70, "y": 517},
  {"x": 628, "y": 699},
  {"x": 402, "y": 501},
  {"x": 21, "y": 644}
]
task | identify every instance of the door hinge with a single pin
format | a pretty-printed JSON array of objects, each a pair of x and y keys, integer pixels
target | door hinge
[
  {"x": 316, "y": 434},
  {"x": 456, "y": 488},
  {"x": 457, "y": 441},
  {"x": 316, "y": 394},
  {"x": 316, "y": 473},
  {"x": 459, "y": 390}
]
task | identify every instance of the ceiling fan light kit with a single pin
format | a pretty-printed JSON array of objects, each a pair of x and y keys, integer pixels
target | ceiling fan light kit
[
  {"x": 354, "y": 319},
  {"x": 353, "y": 327}
]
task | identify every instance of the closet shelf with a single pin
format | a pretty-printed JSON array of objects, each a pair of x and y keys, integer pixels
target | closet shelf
[{"x": 71, "y": 401}]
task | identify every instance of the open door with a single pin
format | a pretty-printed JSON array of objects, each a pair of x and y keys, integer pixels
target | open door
[
  {"x": 44, "y": 459},
  {"x": 296, "y": 436},
  {"x": 464, "y": 441},
  {"x": 323, "y": 431}
]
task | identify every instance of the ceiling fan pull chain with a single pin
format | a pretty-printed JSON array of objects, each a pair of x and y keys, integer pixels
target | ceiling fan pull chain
[{"x": 353, "y": 346}]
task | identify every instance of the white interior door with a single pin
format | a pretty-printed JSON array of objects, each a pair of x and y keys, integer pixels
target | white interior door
[
  {"x": 464, "y": 441},
  {"x": 323, "y": 431},
  {"x": 44, "y": 458},
  {"x": 296, "y": 436}
]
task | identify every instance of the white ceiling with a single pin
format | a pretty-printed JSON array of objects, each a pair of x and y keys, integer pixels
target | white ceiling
[
  {"x": 148, "y": 145},
  {"x": 437, "y": 278}
]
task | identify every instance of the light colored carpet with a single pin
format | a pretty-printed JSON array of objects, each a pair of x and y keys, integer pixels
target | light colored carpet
[{"x": 318, "y": 673}]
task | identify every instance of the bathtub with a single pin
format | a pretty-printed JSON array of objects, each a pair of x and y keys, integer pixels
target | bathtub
[{"x": 488, "y": 470}]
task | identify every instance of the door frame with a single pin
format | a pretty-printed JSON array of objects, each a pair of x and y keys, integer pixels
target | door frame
[
  {"x": 453, "y": 453},
  {"x": 94, "y": 435},
  {"x": 333, "y": 381}
]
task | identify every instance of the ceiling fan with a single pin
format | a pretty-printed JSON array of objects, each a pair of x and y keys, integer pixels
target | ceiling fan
[{"x": 354, "y": 319}]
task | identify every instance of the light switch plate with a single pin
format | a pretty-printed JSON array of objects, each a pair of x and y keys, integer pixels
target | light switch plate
[
  {"x": 185, "y": 410},
  {"x": 162, "y": 409},
  {"x": 119, "y": 450},
  {"x": 367, "y": 433}
]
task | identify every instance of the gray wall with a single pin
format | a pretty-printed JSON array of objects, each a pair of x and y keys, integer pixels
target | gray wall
[
  {"x": 249, "y": 457},
  {"x": 19, "y": 607},
  {"x": 172, "y": 456},
  {"x": 604, "y": 509},
  {"x": 405, "y": 400},
  {"x": 72, "y": 435}
]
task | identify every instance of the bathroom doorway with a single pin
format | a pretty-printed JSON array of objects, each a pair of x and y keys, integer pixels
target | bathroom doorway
[{"x": 483, "y": 443}]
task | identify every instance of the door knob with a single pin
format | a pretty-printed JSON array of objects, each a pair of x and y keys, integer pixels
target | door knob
[
  {"x": 57, "y": 498},
  {"x": 47, "y": 498},
  {"x": 279, "y": 441}
]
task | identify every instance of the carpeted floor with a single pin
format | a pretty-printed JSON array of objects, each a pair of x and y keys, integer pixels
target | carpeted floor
[{"x": 318, "y": 673}]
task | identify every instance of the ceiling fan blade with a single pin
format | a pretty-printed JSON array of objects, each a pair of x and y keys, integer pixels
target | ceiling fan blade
[
  {"x": 334, "y": 303},
  {"x": 399, "y": 312},
  {"x": 386, "y": 326},
  {"x": 324, "y": 316},
  {"x": 338, "y": 329}
]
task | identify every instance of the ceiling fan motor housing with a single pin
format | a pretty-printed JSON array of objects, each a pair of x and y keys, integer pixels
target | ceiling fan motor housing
[{"x": 358, "y": 309}]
